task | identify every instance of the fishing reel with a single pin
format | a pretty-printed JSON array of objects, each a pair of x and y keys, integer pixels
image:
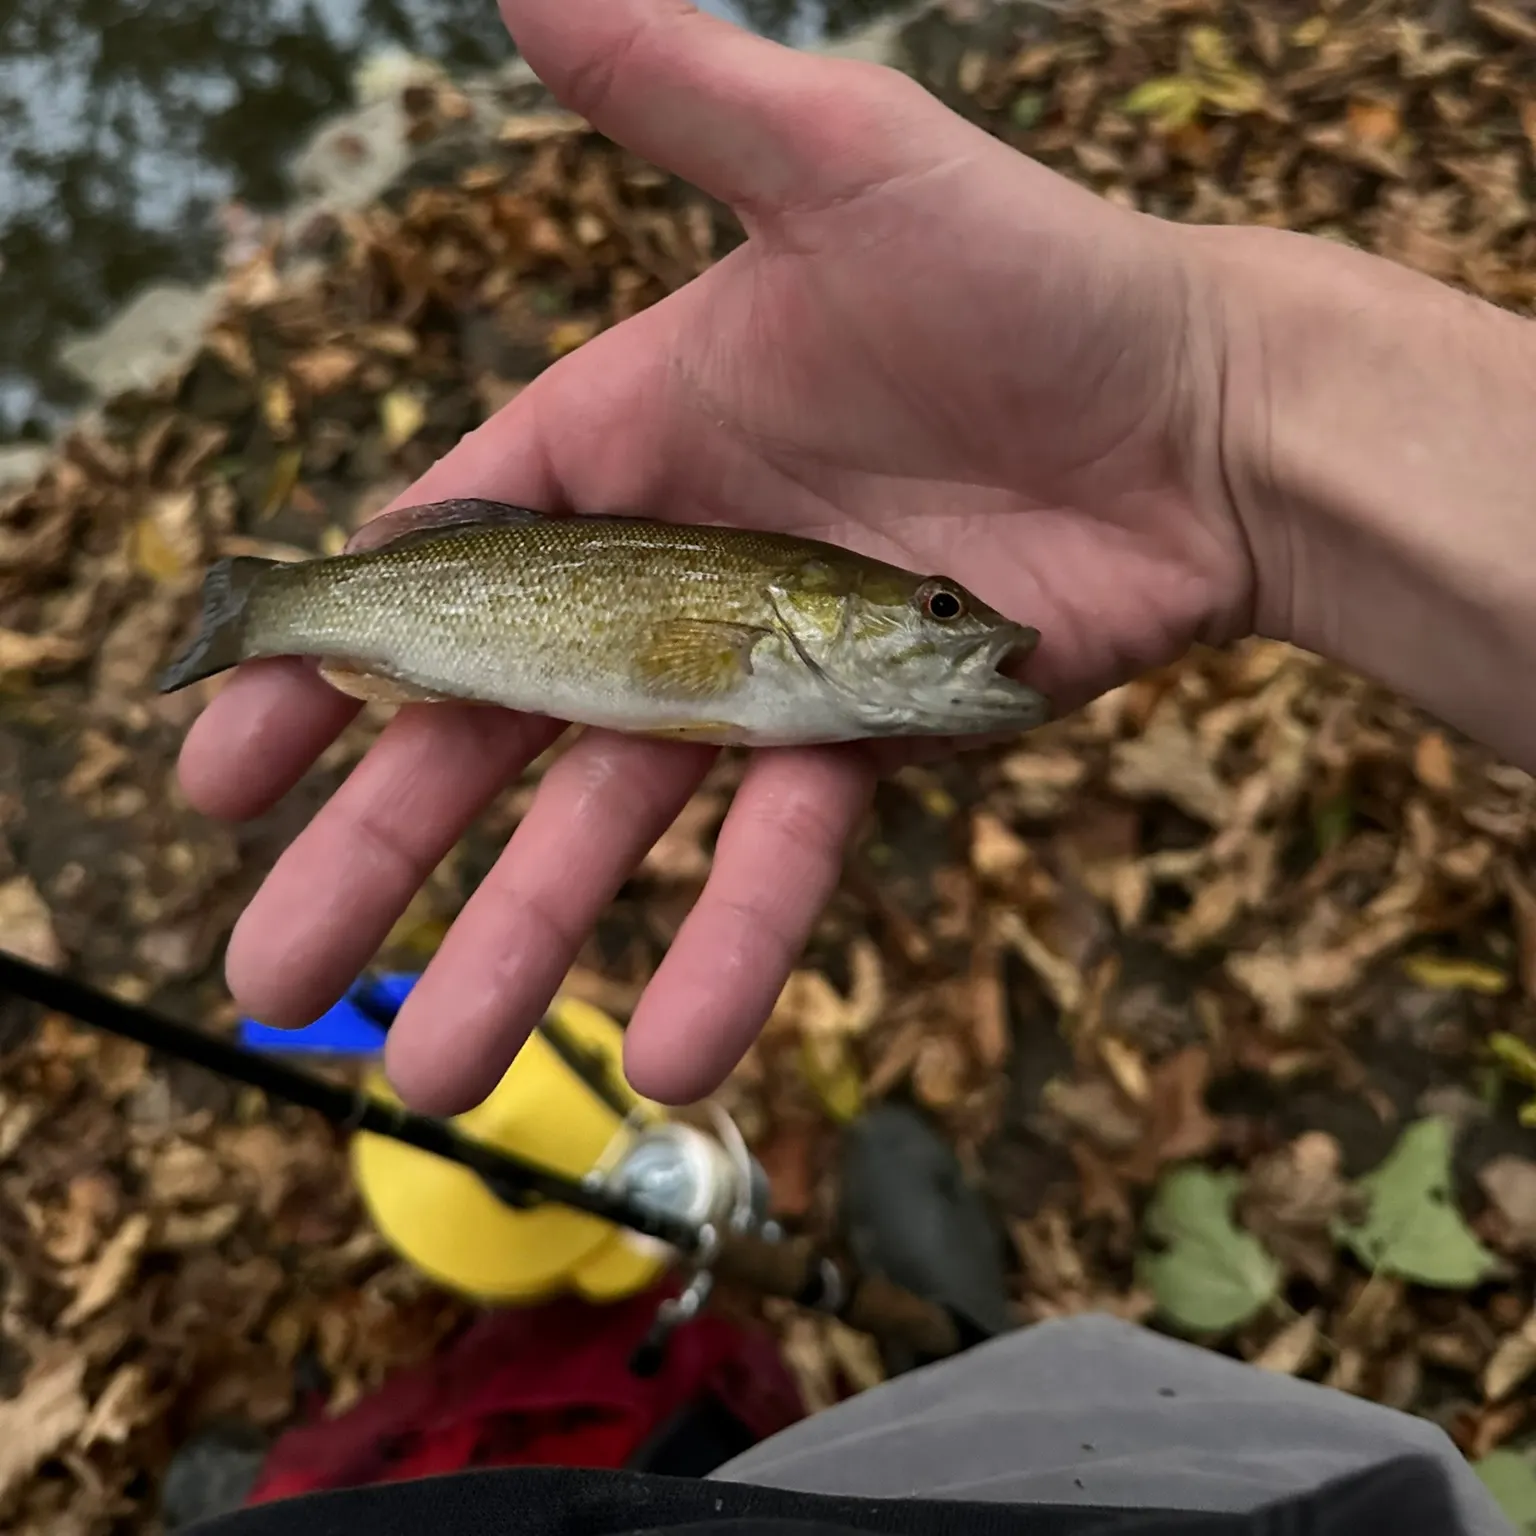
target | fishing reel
[
  {"x": 565, "y": 1106},
  {"x": 710, "y": 1184}
]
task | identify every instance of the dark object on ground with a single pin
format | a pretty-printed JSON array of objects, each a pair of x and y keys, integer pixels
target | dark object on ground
[
  {"x": 911, "y": 1217},
  {"x": 212, "y": 1473}
]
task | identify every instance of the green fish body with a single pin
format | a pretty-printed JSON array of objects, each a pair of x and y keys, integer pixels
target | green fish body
[{"x": 713, "y": 634}]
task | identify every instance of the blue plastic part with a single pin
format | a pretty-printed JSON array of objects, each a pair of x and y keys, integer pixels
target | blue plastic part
[{"x": 344, "y": 1030}]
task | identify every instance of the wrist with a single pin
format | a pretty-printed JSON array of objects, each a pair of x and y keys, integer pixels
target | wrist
[{"x": 1379, "y": 447}]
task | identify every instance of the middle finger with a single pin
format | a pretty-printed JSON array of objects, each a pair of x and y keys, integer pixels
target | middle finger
[{"x": 598, "y": 809}]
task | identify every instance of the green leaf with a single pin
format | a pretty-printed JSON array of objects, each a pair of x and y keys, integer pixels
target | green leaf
[
  {"x": 1510, "y": 1477},
  {"x": 1027, "y": 109},
  {"x": 1412, "y": 1228},
  {"x": 1210, "y": 1276}
]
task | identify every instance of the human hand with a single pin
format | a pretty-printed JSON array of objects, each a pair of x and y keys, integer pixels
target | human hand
[{"x": 930, "y": 349}]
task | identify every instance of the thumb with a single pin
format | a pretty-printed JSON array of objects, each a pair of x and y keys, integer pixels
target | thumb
[{"x": 761, "y": 126}]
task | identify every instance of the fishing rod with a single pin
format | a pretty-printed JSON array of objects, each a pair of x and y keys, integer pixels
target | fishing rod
[{"x": 737, "y": 1245}]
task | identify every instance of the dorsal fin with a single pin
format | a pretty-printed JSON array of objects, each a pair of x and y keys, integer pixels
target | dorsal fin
[{"x": 435, "y": 520}]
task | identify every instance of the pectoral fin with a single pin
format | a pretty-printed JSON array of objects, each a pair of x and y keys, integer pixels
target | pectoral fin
[
  {"x": 696, "y": 658},
  {"x": 357, "y": 682}
]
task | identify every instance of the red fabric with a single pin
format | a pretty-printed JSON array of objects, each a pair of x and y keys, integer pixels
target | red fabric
[{"x": 545, "y": 1386}]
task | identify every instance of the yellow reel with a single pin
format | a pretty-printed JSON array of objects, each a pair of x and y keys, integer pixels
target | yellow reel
[{"x": 444, "y": 1220}]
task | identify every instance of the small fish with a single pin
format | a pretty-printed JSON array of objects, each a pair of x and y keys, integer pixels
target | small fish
[{"x": 694, "y": 632}]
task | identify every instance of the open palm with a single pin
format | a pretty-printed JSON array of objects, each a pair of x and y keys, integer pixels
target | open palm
[{"x": 930, "y": 350}]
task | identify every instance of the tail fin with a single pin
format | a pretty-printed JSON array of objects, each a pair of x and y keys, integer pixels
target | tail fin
[{"x": 219, "y": 641}]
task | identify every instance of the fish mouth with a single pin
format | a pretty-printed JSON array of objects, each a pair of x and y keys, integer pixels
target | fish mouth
[
  {"x": 1004, "y": 695},
  {"x": 1007, "y": 649}
]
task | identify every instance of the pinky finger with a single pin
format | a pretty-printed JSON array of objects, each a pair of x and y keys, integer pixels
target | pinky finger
[{"x": 776, "y": 864}]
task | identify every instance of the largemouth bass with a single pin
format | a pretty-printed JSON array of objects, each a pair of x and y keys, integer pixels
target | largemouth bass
[{"x": 710, "y": 634}]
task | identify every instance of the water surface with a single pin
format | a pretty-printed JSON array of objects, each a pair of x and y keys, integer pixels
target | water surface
[{"x": 126, "y": 126}]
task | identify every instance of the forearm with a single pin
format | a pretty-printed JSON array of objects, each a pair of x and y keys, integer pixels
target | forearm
[{"x": 1381, "y": 447}]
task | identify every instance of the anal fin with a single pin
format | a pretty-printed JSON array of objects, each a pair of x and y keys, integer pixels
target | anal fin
[
  {"x": 716, "y": 733},
  {"x": 371, "y": 687}
]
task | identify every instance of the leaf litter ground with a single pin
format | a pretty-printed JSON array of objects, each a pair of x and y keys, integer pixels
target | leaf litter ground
[{"x": 1223, "y": 989}]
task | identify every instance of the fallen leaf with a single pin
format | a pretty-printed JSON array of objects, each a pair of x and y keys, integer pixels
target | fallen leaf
[
  {"x": 856, "y": 1354},
  {"x": 402, "y": 414},
  {"x": 1168, "y": 761},
  {"x": 681, "y": 855},
  {"x": 1178, "y": 1127},
  {"x": 103, "y": 1282},
  {"x": 1518, "y": 1061},
  {"x": 538, "y": 127},
  {"x": 1095, "y": 1109},
  {"x": 990, "y": 1027},
  {"x": 570, "y": 334},
  {"x": 1512, "y": 1362},
  {"x": 1377, "y": 122},
  {"x": 1510, "y": 1185},
  {"x": 26, "y": 924},
  {"x": 38, "y": 653},
  {"x": 184, "y": 1172},
  {"x": 121, "y": 1408},
  {"x": 1209, "y": 1276},
  {"x": 1294, "y": 1348},
  {"x": 998, "y": 854},
  {"x": 325, "y": 369},
  {"x": 1433, "y": 764},
  {"x": 48, "y": 1412},
  {"x": 938, "y": 1073},
  {"x": 277, "y": 408},
  {"x": 1411, "y": 1228},
  {"x": 833, "y": 1076},
  {"x": 1451, "y": 975},
  {"x": 281, "y": 483}
]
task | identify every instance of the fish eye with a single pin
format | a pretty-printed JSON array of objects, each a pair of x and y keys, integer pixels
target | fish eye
[{"x": 941, "y": 602}]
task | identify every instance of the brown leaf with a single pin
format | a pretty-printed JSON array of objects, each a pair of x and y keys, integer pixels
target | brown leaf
[
  {"x": 680, "y": 854},
  {"x": 1291, "y": 1199},
  {"x": 41, "y": 1420},
  {"x": 1178, "y": 1126},
  {"x": 1374, "y": 122},
  {"x": 1168, "y": 761},
  {"x": 989, "y": 1007},
  {"x": 938, "y": 1074},
  {"x": 26, "y": 923},
  {"x": 1096, "y": 1110},
  {"x": 1512, "y": 1362},
  {"x": 1295, "y": 1347},
  {"x": 1507, "y": 20},
  {"x": 104, "y": 1281},
  {"x": 1433, "y": 764},
  {"x": 123, "y": 1406},
  {"x": 998, "y": 854},
  {"x": 1510, "y": 1185},
  {"x": 183, "y": 1173},
  {"x": 1100, "y": 1187},
  {"x": 1282, "y": 982},
  {"x": 325, "y": 369}
]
